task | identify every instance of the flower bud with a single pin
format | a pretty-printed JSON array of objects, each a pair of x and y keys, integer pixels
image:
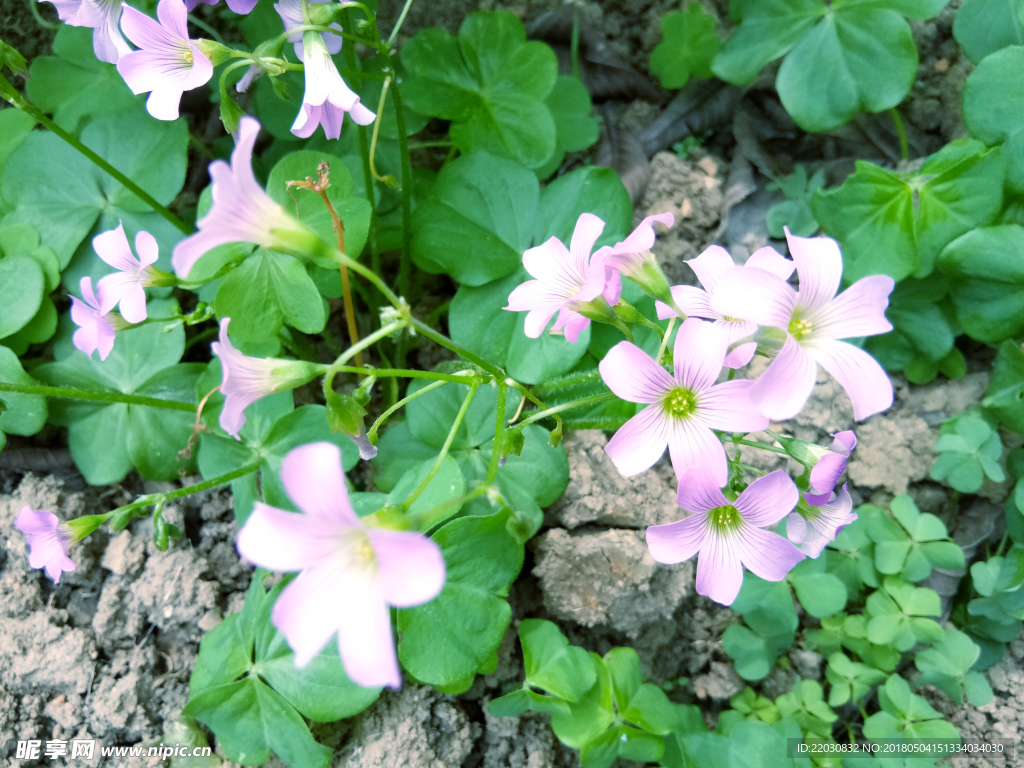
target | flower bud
[{"x": 345, "y": 415}]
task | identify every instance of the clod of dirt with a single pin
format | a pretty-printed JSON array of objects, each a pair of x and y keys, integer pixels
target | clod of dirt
[
  {"x": 598, "y": 494},
  {"x": 608, "y": 577},
  {"x": 720, "y": 683},
  {"x": 416, "y": 727},
  {"x": 523, "y": 742}
]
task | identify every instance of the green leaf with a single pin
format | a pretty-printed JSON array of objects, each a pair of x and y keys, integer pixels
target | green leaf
[
  {"x": 431, "y": 415},
  {"x": 795, "y": 213},
  {"x": 489, "y": 82},
  {"x": 993, "y": 97},
  {"x": 447, "y": 641},
  {"x": 575, "y": 127},
  {"x": 820, "y": 593},
  {"x": 897, "y": 224},
  {"x": 1005, "y": 396},
  {"x": 268, "y": 288},
  {"x": 516, "y": 703},
  {"x": 479, "y": 322},
  {"x": 69, "y": 195},
  {"x": 924, "y": 327},
  {"x": 985, "y": 26},
  {"x": 987, "y": 281},
  {"x": 947, "y": 663},
  {"x": 447, "y": 484},
  {"x": 688, "y": 45},
  {"x": 850, "y": 680},
  {"x": 588, "y": 190},
  {"x": 590, "y": 716},
  {"x": 15, "y": 125},
  {"x": 22, "y": 284},
  {"x": 564, "y": 670},
  {"x": 23, "y": 414},
  {"x": 768, "y": 30}
]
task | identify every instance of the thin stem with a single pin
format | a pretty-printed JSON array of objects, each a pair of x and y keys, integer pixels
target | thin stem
[
  {"x": 592, "y": 400},
  {"x": 205, "y": 27},
  {"x": 901, "y": 131},
  {"x": 404, "y": 268},
  {"x": 664, "y": 341},
  {"x": 370, "y": 340},
  {"x": 763, "y": 446},
  {"x": 159, "y": 498},
  {"x": 433, "y": 514},
  {"x": 447, "y": 343},
  {"x": 399, "y": 23},
  {"x": 533, "y": 399},
  {"x": 574, "y": 44},
  {"x": 429, "y": 144},
  {"x": 72, "y": 393},
  {"x": 17, "y": 100},
  {"x": 408, "y": 373},
  {"x": 389, "y": 180},
  {"x": 372, "y": 432},
  {"x": 32, "y": 4},
  {"x": 499, "y": 435},
  {"x": 444, "y": 448}
]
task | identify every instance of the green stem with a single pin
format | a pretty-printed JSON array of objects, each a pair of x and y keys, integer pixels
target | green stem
[
  {"x": 499, "y": 435},
  {"x": 533, "y": 399},
  {"x": 17, "y": 100},
  {"x": 371, "y": 434},
  {"x": 901, "y": 131},
  {"x": 406, "y": 373},
  {"x": 434, "y": 513},
  {"x": 762, "y": 446},
  {"x": 574, "y": 44},
  {"x": 399, "y": 23},
  {"x": 664, "y": 341},
  {"x": 203, "y": 26},
  {"x": 403, "y": 147},
  {"x": 592, "y": 400},
  {"x": 72, "y": 393},
  {"x": 213, "y": 482},
  {"x": 444, "y": 448},
  {"x": 447, "y": 343},
  {"x": 429, "y": 144}
]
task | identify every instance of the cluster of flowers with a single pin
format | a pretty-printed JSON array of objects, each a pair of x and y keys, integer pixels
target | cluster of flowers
[
  {"x": 168, "y": 63},
  {"x": 738, "y": 311}
]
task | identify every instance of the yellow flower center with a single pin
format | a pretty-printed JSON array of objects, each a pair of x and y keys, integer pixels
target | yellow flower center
[
  {"x": 680, "y": 403},
  {"x": 732, "y": 319},
  {"x": 187, "y": 56},
  {"x": 725, "y": 518},
  {"x": 799, "y": 328}
]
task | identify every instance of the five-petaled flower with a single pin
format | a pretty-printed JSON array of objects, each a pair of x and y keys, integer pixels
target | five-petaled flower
[
  {"x": 813, "y": 321},
  {"x": 168, "y": 64},
  {"x": 242, "y": 211},
  {"x": 103, "y": 17},
  {"x": 349, "y": 574},
  {"x": 95, "y": 330},
  {"x": 48, "y": 541},
  {"x": 814, "y": 526},
  {"x": 729, "y": 534},
  {"x": 633, "y": 258},
  {"x": 566, "y": 280},
  {"x": 696, "y": 302},
  {"x": 327, "y": 98},
  {"x": 127, "y": 285},
  {"x": 830, "y": 466},
  {"x": 683, "y": 409},
  {"x": 248, "y": 379}
]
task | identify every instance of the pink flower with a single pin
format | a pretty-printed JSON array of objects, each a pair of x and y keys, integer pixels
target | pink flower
[
  {"x": 566, "y": 280},
  {"x": 816, "y": 525},
  {"x": 327, "y": 98},
  {"x": 95, "y": 331},
  {"x": 349, "y": 574},
  {"x": 248, "y": 379},
  {"x": 48, "y": 541},
  {"x": 813, "y": 320},
  {"x": 290, "y": 12},
  {"x": 168, "y": 64},
  {"x": 633, "y": 258},
  {"x": 729, "y": 534},
  {"x": 826, "y": 472},
  {"x": 242, "y": 211},
  {"x": 694, "y": 302},
  {"x": 684, "y": 409},
  {"x": 127, "y": 285},
  {"x": 103, "y": 17},
  {"x": 242, "y": 7}
]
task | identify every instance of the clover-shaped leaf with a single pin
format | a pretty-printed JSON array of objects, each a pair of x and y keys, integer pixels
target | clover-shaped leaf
[
  {"x": 564, "y": 670},
  {"x": 771, "y": 621},
  {"x": 754, "y": 706},
  {"x": 490, "y": 82},
  {"x": 806, "y": 705},
  {"x": 819, "y": 592},
  {"x": 969, "y": 451},
  {"x": 795, "y": 212},
  {"x": 854, "y": 547},
  {"x": 1000, "y": 582},
  {"x": 688, "y": 45},
  {"x": 914, "y": 545},
  {"x": 853, "y": 635},
  {"x": 850, "y": 680},
  {"x": 948, "y": 665},
  {"x": 905, "y": 714},
  {"x": 985, "y": 26},
  {"x": 1005, "y": 396},
  {"x": 897, "y": 612},
  {"x": 993, "y": 95}
]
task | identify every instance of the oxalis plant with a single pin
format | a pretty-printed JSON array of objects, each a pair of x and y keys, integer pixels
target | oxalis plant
[{"x": 563, "y": 319}]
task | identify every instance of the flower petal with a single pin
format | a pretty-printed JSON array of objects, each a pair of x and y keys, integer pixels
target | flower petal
[
  {"x": 784, "y": 387},
  {"x": 112, "y": 246},
  {"x": 640, "y": 442},
  {"x": 768, "y": 499},
  {"x": 766, "y": 554},
  {"x": 719, "y": 573},
  {"x": 729, "y": 407},
  {"x": 307, "y": 612},
  {"x": 709, "y": 267},
  {"x": 552, "y": 263},
  {"x": 173, "y": 17},
  {"x": 412, "y": 568},
  {"x": 572, "y": 324},
  {"x": 826, "y": 472},
  {"x": 588, "y": 228},
  {"x": 695, "y": 302},
  {"x": 698, "y": 354},
  {"x": 752, "y": 294},
  {"x": 147, "y": 248},
  {"x": 693, "y": 445},
  {"x": 642, "y": 238},
  {"x": 796, "y": 528},
  {"x": 857, "y": 311},
  {"x": 365, "y": 641},
  {"x": 740, "y": 356},
  {"x": 698, "y": 491},
  {"x": 633, "y": 376},
  {"x": 675, "y": 542},
  {"x": 313, "y": 478},
  {"x": 844, "y": 442},
  {"x": 284, "y": 541},
  {"x": 857, "y": 372},
  {"x": 771, "y": 261},
  {"x": 819, "y": 265},
  {"x": 34, "y": 522}
]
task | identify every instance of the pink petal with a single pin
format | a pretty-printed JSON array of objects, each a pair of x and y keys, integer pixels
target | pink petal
[
  {"x": 612, "y": 287},
  {"x": 675, "y": 542},
  {"x": 857, "y": 372},
  {"x": 719, "y": 573},
  {"x": 285, "y": 541},
  {"x": 571, "y": 323},
  {"x": 588, "y": 228},
  {"x": 308, "y": 612},
  {"x": 366, "y": 643},
  {"x": 412, "y": 568},
  {"x": 112, "y": 246},
  {"x": 163, "y": 103},
  {"x": 192, "y": 248},
  {"x": 144, "y": 31},
  {"x": 692, "y": 445},
  {"x": 533, "y": 294},
  {"x": 709, "y": 267},
  {"x": 360, "y": 114},
  {"x": 729, "y": 407},
  {"x": 771, "y": 261},
  {"x": 552, "y": 263},
  {"x": 766, "y": 554},
  {"x": 699, "y": 492},
  {"x": 820, "y": 267},
  {"x": 87, "y": 293},
  {"x": 740, "y": 356},
  {"x": 698, "y": 354},
  {"x": 133, "y": 303},
  {"x": 768, "y": 499},
  {"x": 796, "y": 528},
  {"x": 857, "y": 311},
  {"x": 147, "y": 248},
  {"x": 173, "y": 17},
  {"x": 104, "y": 338},
  {"x": 826, "y": 472},
  {"x": 640, "y": 442},
  {"x": 784, "y": 387},
  {"x": 755, "y": 295},
  {"x": 242, "y": 7},
  {"x": 35, "y": 521},
  {"x": 695, "y": 302},
  {"x": 844, "y": 442},
  {"x": 313, "y": 478},
  {"x": 536, "y": 321},
  {"x": 642, "y": 238},
  {"x": 633, "y": 376}
]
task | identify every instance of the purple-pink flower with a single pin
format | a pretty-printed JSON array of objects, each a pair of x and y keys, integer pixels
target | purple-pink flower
[
  {"x": 827, "y": 471},
  {"x": 349, "y": 574},
  {"x": 684, "y": 409},
  {"x": 633, "y": 258},
  {"x": 168, "y": 64},
  {"x": 327, "y": 98},
  {"x": 95, "y": 331},
  {"x": 814, "y": 527},
  {"x": 729, "y": 534},
  {"x": 290, "y": 12},
  {"x": 48, "y": 541},
  {"x": 566, "y": 278},
  {"x": 696, "y": 302},
  {"x": 813, "y": 320},
  {"x": 103, "y": 17},
  {"x": 243, "y": 7},
  {"x": 126, "y": 286},
  {"x": 242, "y": 211}
]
